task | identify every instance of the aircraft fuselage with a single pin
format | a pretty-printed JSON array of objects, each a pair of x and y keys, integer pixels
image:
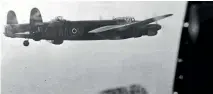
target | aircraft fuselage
[{"x": 66, "y": 30}]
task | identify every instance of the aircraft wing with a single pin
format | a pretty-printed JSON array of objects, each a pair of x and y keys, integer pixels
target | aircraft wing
[{"x": 138, "y": 23}]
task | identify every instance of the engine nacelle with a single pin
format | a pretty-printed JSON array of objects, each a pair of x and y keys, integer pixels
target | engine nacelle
[
  {"x": 152, "y": 32},
  {"x": 154, "y": 26},
  {"x": 152, "y": 29}
]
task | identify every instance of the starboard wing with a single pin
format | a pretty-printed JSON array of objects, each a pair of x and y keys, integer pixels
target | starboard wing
[{"x": 128, "y": 25}]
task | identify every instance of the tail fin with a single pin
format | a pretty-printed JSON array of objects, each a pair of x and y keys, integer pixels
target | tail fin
[
  {"x": 35, "y": 17},
  {"x": 11, "y": 17}
]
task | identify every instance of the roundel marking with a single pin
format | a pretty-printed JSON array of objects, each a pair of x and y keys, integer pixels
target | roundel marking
[{"x": 74, "y": 30}]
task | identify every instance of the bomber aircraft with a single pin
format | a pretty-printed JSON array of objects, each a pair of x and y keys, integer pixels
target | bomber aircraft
[{"x": 59, "y": 29}]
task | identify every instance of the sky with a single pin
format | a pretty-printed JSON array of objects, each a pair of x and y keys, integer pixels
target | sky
[{"x": 89, "y": 67}]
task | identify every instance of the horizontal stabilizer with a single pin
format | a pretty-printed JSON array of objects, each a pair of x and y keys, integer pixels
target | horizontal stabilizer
[
  {"x": 35, "y": 17},
  {"x": 11, "y": 17}
]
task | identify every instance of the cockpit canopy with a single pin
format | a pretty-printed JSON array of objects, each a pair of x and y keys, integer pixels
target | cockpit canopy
[
  {"x": 128, "y": 19},
  {"x": 58, "y": 18}
]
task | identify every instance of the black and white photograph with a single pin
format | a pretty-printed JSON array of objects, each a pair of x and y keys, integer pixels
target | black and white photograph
[{"x": 89, "y": 47}]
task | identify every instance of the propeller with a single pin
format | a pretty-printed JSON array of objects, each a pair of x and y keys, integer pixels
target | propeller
[
  {"x": 154, "y": 15},
  {"x": 100, "y": 17},
  {"x": 156, "y": 22}
]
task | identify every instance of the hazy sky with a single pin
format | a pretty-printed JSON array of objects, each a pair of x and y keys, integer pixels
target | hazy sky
[{"x": 89, "y": 67}]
